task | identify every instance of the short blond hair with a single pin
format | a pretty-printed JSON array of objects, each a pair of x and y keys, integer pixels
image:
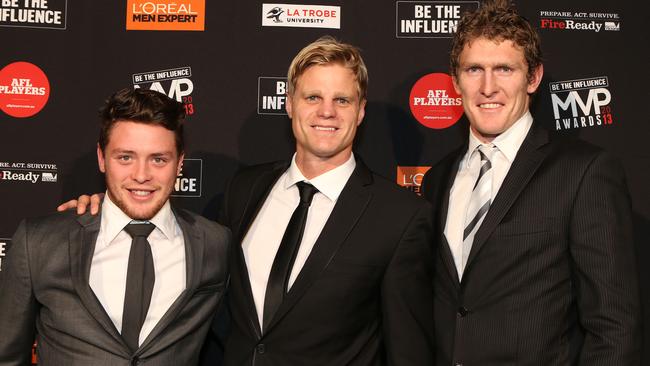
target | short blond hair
[{"x": 324, "y": 51}]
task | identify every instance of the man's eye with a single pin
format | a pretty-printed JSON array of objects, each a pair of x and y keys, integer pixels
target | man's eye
[
  {"x": 312, "y": 98},
  {"x": 159, "y": 160},
  {"x": 342, "y": 101},
  {"x": 124, "y": 158}
]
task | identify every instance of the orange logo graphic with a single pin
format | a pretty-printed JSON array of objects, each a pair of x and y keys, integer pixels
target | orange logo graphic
[
  {"x": 174, "y": 15},
  {"x": 411, "y": 177}
]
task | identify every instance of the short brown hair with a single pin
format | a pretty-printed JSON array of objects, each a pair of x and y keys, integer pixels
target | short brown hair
[
  {"x": 327, "y": 50},
  {"x": 142, "y": 106},
  {"x": 499, "y": 21}
]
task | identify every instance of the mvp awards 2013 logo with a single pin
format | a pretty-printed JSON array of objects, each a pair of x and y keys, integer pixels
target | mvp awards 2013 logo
[
  {"x": 175, "y": 83},
  {"x": 581, "y": 103}
]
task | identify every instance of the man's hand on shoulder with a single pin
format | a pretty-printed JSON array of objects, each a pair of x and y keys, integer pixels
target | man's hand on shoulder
[{"x": 82, "y": 203}]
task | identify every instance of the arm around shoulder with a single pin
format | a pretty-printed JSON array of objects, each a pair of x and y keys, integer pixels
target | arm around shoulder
[{"x": 18, "y": 306}]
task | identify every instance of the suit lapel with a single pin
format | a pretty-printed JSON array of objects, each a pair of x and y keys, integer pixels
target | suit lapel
[
  {"x": 82, "y": 248},
  {"x": 528, "y": 159},
  {"x": 258, "y": 194},
  {"x": 194, "y": 247},
  {"x": 348, "y": 209}
]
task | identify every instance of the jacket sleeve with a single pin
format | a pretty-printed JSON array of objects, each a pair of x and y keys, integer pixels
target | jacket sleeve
[
  {"x": 407, "y": 295},
  {"x": 604, "y": 266},
  {"x": 18, "y": 307}
]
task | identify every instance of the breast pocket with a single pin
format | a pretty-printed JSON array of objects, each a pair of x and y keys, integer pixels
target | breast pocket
[
  {"x": 354, "y": 270},
  {"x": 532, "y": 226},
  {"x": 209, "y": 289}
]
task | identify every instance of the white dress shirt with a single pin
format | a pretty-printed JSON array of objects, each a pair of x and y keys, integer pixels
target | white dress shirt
[
  {"x": 265, "y": 234},
  {"x": 110, "y": 262},
  {"x": 507, "y": 145}
]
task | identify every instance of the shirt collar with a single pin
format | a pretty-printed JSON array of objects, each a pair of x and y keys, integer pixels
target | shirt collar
[
  {"x": 165, "y": 220},
  {"x": 507, "y": 142},
  {"x": 114, "y": 220},
  {"x": 330, "y": 183}
]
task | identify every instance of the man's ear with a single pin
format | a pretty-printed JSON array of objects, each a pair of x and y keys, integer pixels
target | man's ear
[
  {"x": 179, "y": 168},
  {"x": 288, "y": 105},
  {"x": 362, "y": 111},
  {"x": 454, "y": 81},
  {"x": 101, "y": 161},
  {"x": 535, "y": 79}
]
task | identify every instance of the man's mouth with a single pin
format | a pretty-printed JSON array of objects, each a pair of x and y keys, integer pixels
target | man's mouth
[
  {"x": 141, "y": 193},
  {"x": 490, "y": 105},
  {"x": 325, "y": 128}
]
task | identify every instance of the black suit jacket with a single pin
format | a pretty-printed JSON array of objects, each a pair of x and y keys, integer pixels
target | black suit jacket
[
  {"x": 44, "y": 288},
  {"x": 363, "y": 297},
  {"x": 551, "y": 277}
]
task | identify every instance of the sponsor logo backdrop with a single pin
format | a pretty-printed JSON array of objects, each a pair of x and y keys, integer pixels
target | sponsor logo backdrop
[{"x": 227, "y": 61}]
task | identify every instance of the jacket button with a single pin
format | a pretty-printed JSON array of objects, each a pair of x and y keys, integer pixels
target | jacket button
[
  {"x": 458, "y": 364},
  {"x": 260, "y": 348},
  {"x": 135, "y": 361},
  {"x": 462, "y": 311}
]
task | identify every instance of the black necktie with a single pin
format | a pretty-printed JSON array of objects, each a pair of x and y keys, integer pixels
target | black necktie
[
  {"x": 139, "y": 283},
  {"x": 276, "y": 287}
]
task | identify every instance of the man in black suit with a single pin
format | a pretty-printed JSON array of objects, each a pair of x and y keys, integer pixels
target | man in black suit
[
  {"x": 333, "y": 264},
  {"x": 535, "y": 263},
  {"x": 137, "y": 284},
  {"x": 355, "y": 287}
]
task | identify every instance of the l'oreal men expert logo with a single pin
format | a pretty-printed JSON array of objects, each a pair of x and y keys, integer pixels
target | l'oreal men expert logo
[
  {"x": 165, "y": 15},
  {"x": 411, "y": 177}
]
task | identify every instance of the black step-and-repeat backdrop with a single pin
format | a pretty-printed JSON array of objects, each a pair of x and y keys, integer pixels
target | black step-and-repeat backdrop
[{"x": 227, "y": 60}]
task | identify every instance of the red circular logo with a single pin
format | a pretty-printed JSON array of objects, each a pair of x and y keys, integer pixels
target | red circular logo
[
  {"x": 434, "y": 102},
  {"x": 24, "y": 89}
]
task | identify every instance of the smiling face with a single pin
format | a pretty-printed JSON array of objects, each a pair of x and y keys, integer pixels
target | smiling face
[
  {"x": 325, "y": 110},
  {"x": 141, "y": 163},
  {"x": 492, "y": 80}
]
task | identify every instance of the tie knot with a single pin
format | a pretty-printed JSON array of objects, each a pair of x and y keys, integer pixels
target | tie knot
[
  {"x": 139, "y": 229},
  {"x": 307, "y": 192},
  {"x": 486, "y": 151}
]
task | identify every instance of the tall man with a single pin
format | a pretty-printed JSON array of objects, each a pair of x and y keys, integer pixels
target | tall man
[
  {"x": 349, "y": 284},
  {"x": 535, "y": 262},
  {"x": 137, "y": 284}
]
